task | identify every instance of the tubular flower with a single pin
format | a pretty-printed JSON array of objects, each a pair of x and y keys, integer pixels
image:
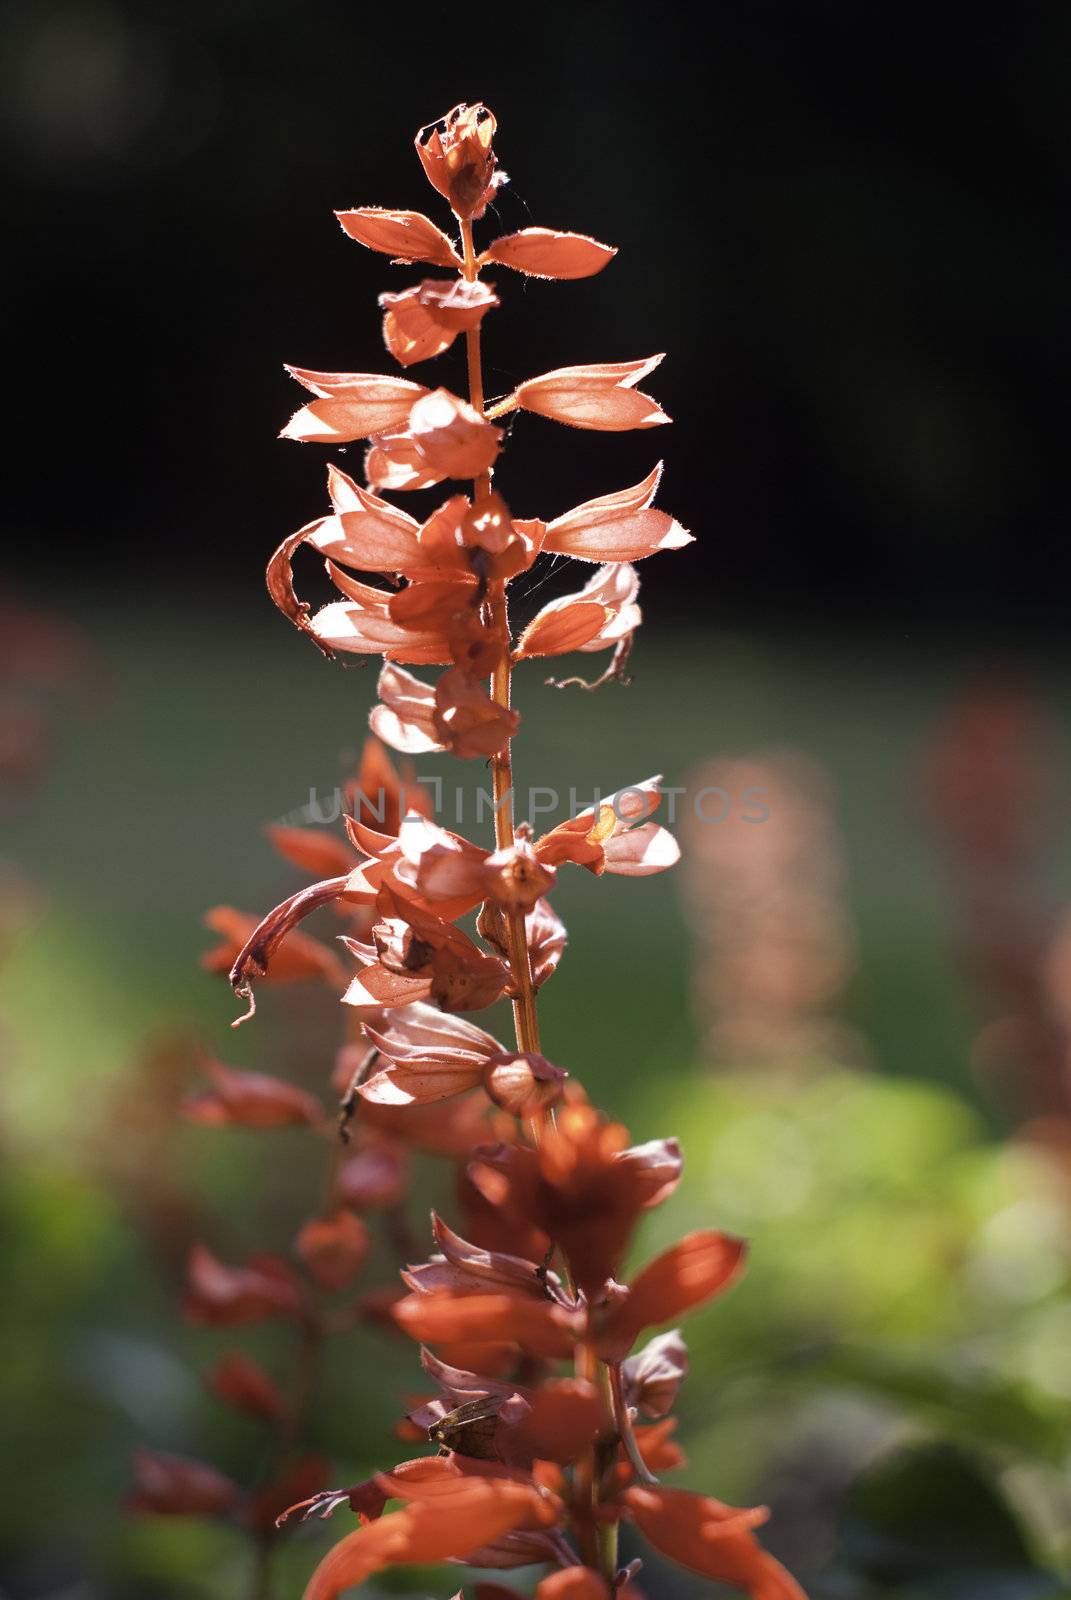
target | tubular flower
[{"x": 536, "y": 1464}]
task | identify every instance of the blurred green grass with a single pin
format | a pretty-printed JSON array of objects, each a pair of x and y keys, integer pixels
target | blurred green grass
[{"x": 883, "y": 1296}]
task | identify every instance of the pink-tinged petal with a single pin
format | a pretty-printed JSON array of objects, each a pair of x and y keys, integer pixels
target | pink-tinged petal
[
  {"x": 424, "y": 321},
  {"x": 352, "y": 405},
  {"x": 410, "y": 1086},
  {"x": 641, "y": 852},
  {"x": 617, "y": 527},
  {"x": 453, "y": 438},
  {"x": 405, "y": 235},
  {"x": 405, "y": 716},
  {"x": 468, "y": 722},
  {"x": 395, "y": 462},
  {"x": 566, "y": 624},
  {"x": 353, "y": 629},
  {"x": 546, "y": 253},
  {"x": 375, "y": 537},
  {"x": 600, "y": 396},
  {"x": 423, "y": 1036}
]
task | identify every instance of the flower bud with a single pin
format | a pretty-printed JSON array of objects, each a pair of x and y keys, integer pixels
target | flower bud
[
  {"x": 523, "y": 1084},
  {"x": 457, "y": 157}
]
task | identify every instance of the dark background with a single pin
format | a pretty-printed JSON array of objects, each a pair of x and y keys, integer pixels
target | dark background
[{"x": 847, "y": 225}]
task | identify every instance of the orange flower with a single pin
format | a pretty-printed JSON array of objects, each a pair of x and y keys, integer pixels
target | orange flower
[
  {"x": 712, "y": 1539},
  {"x": 447, "y": 1527},
  {"x": 584, "y": 1188},
  {"x": 698, "y": 1267},
  {"x": 537, "y": 1327},
  {"x": 422, "y": 322},
  {"x": 601, "y": 396},
  {"x": 457, "y": 156},
  {"x": 546, "y": 253}
]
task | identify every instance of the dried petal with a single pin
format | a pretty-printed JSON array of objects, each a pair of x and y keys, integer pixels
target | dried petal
[
  {"x": 351, "y": 405},
  {"x": 459, "y": 159},
  {"x": 405, "y": 716},
  {"x": 653, "y": 1376},
  {"x": 405, "y": 235},
  {"x": 523, "y": 1083},
  {"x": 468, "y": 722},
  {"x": 617, "y": 527},
  {"x": 566, "y": 624},
  {"x": 424, "y": 321},
  {"x": 600, "y": 396},
  {"x": 546, "y": 253}
]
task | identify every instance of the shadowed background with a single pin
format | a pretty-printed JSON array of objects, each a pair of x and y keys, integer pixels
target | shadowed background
[{"x": 848, "y": 232}]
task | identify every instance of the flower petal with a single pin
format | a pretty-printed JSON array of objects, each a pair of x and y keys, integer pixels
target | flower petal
[
  {"x": 712, "y": 1539},
  {"x": 546, "y": 253},
  {"x": 448, "y": 1527},
  {"x": 600, "y": 396},
  {"x": 351, "y": 405},
  {"x": 405, "y": 235},
  {"x": 617, "y": 527},
  {"x": 566, "y": 624},
  {"x": 405, "y": 715},
  {"x": 698, "y": 1267}
]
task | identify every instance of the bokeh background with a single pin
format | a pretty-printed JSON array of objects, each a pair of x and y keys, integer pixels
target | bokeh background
[{"x": 847, "y": 226}]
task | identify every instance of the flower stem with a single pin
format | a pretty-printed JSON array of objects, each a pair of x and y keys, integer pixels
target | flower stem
[{"x": 525, "y": 1016}]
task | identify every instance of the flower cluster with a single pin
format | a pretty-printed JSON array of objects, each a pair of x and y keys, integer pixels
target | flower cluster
[{"x": 534, "y": 1464}]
